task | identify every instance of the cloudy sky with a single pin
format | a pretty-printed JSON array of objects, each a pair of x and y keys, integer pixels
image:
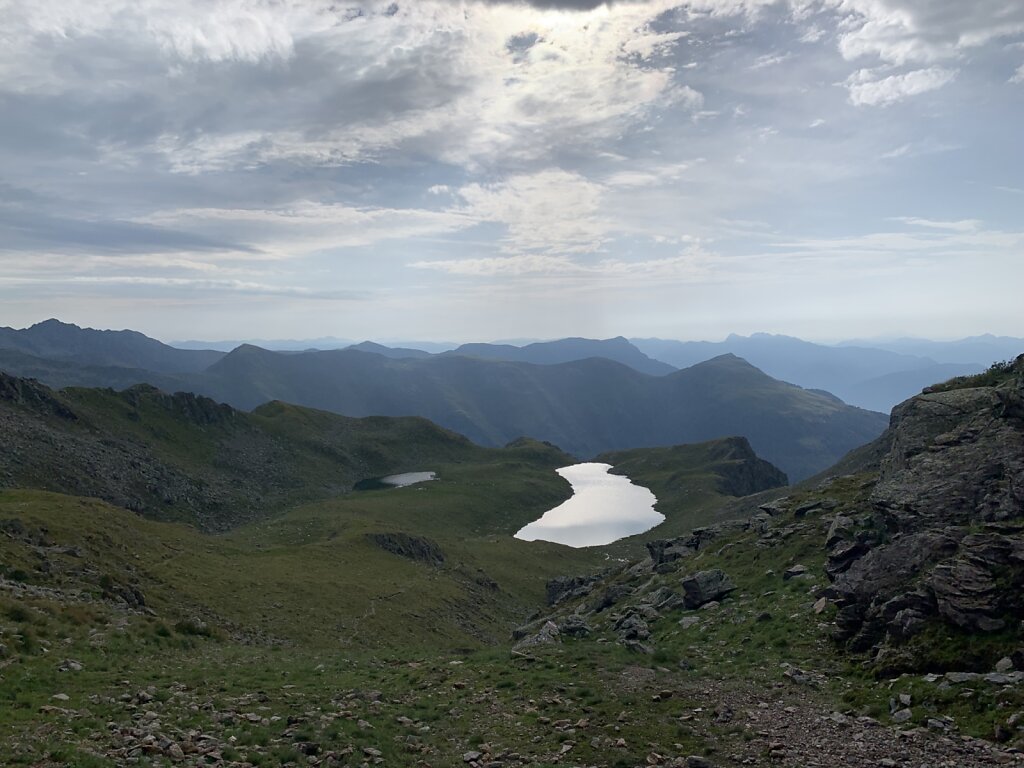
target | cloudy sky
[{"x": 478, "y": 170}]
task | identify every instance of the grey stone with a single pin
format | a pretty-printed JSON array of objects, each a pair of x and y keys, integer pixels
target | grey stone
[
  {"x": 545, "y": 636},
  {"x": 795, "y": 571},
  {"x": 705, "y": 586},
  {"x": 841, "y": 530},
  {"x": 962, "y": 677},
  {"x": 942, "y": 536}
]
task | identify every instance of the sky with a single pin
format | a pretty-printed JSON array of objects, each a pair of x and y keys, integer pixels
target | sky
[{"x": 211, "y": 169}]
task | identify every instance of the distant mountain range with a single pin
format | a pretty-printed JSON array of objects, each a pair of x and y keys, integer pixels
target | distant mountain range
[
  {"x": 587, "y": 396},
  {"x": 54, "y": 340},
  {"x": 566, "y": 351},
  {"x": 872, "y": 374},
  {"x": 984, "y": 349},
  {"x": 867, "y": 377},
  {"x": 585, "y": 406}
]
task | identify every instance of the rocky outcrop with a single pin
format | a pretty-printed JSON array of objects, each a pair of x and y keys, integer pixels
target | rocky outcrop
[
  {"x": 665, "y": 551},
  {"x": 743, "y": 473},
  {"x": 703, "y": 587},
  {"x": 418, "y": 548},
  {"x": 569, "y": 587},
  {"x": 942, "y": 537},
  {"x": 30, "y": 393},
  {"x": 186, "y": 405}
]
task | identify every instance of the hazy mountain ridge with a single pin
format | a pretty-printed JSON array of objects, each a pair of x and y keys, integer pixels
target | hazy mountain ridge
[
  {"x": 585, "y": 407},
  {"x": 977, "y": 350},
  {"x": 868, "y": 377},
  {"x": 869, "y": 374},
  {"x": 54, "y": 340},
  {"x": 568, "y": 350}
]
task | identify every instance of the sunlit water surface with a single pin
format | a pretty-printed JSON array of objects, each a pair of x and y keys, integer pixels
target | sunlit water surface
[
  {"x": 408, "y": 478},
  {"x": 603, "y": 508}
]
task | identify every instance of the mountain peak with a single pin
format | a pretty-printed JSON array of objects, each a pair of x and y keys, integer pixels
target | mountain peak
[{"x": 53, "y": 323}]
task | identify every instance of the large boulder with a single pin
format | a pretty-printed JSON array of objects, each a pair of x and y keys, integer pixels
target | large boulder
[
  {"x": 703, "y": 587},
  {"x": 564, "y": 588}
]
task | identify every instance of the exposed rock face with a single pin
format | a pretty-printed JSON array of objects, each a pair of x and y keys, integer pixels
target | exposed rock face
[
  {"x": 664, "y": 551},
  {"x": 412, "y": 547},
  {"x": 746, "y": 473},
  {"x": 567, "y": 587},
  {"x": 31, "y": 393},
  {"x": 943, "y": 539},
  {"x": 547, "y": 634},
  {"x": 705, "y": 586}
]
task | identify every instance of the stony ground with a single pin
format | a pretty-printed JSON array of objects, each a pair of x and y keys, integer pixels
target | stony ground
[{"x": 556, "y": 707}]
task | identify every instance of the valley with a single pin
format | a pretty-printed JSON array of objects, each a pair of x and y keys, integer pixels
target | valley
[{"x": 407, "y": 625}]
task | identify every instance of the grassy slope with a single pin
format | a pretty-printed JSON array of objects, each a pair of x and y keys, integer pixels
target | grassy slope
[
  {"x": 186, "y": 458},
  {"x": 584, "y": 694},
  {"x": 310, "y": 575},
  {"x": 689, "y": 481}
]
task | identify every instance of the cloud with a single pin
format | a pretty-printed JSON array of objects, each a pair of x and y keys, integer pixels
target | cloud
[
  {"x": 305, "y": 226},
  {"x": 963, "y": 225},
  {"x": 552, "y": 211},
  {"x": 868, "y": 89},
  {"x": 32, "y": 228},
  {"x": 648, "y": 177},
  {"x": 511, "y": 266},
  {"x": 691, "y": 264},
  {"x": 221, "y": 286},
  {"x": 319, "y": 144},
  {"x": 922, "y": 31},
  {"x": 947, "y": 239},
  {"x": 770, "y": 60},
  {"x": 438, "y": 78}
]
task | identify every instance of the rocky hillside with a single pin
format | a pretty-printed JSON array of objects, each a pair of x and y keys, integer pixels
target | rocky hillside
[
  {"x": 186, "y": 457},
  {"x": 912, "y": 567},
  {"x": 939, "y": 545}
]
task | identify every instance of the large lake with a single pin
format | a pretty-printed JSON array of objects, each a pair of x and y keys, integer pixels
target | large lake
[{"x": 603, "y": 509}]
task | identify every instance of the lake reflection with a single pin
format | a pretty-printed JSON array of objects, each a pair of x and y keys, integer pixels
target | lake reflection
[
  {"x": 603, "y": 509},
  {"x": 408, "y": 478}
]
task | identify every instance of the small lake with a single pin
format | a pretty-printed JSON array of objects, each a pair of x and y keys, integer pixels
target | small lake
[
  {"x": 603, "y": 508},
  {"x": 395, "y": 481}
]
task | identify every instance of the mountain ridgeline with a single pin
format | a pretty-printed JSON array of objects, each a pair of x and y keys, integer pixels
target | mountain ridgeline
[
  {"x": 586, "y": 405},
  {"x": 861, "y": 375},
  {"x": 185, "y": 457},
  {"x": 567, "y": 351},
  {"x": 54, "y": 340}
]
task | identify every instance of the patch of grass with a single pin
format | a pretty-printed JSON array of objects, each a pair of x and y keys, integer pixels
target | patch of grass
[{"x": 997, "y": 373}]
